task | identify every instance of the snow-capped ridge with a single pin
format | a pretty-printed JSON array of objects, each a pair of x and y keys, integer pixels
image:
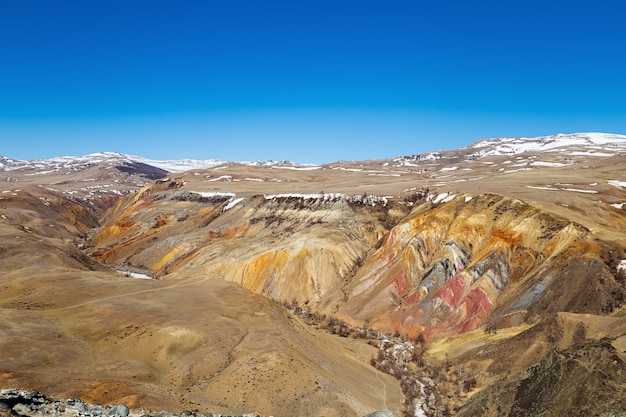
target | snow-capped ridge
[
  {"x": 414, "y": 160},
  {"x": 575, "y": 142},
  {"x": 116, "y": 158},
  {"x": 180, "y": 165},
  {"x": 592, "y": 144}
]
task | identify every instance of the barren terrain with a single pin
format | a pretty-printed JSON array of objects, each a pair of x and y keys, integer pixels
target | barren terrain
[{"x": 504, "y": 261}]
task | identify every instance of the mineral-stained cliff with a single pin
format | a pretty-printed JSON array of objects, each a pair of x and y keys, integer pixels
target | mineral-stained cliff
[
  {"x": 74, "y": 328},
  {"x": 488, "y": 280},
  {"x": 438, "y": 270},
  {"x": 485, "y": 273},
  {"x": 450, "y": 269},
  {"x": 288, "y": 248}
]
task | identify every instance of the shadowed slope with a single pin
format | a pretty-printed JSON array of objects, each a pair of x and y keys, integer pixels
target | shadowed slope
[{"x": 191, "y": 343}]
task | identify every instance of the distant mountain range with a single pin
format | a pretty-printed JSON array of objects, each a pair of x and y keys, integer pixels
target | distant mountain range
[
  {"x": 571, "y": 145},
  {"x": 113, "y": 173},
  {"x": 76, "y": 163},
  {"x": 568, "y": 145}
]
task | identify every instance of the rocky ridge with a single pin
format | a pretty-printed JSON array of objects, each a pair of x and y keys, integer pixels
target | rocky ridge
[
  {"x": 464, "y": 259},
  {"x": 504, "y": 260},
  {"x": 14, "y": 402}
]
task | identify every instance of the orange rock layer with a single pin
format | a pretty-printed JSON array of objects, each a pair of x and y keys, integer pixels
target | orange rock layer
[{"x": 441, "y": 270}]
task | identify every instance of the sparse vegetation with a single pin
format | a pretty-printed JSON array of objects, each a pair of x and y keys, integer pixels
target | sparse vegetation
[
  {"x": 417, "y": 195},
  {"x": 435, "y": 388}
]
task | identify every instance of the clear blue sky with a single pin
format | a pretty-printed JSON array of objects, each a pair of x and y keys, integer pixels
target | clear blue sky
[{"x": 307, "y": 80}]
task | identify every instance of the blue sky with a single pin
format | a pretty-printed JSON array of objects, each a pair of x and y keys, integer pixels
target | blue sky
[{"x": 309, "y": 81}]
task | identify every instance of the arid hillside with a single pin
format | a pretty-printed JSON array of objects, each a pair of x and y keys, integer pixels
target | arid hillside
[
  {"x": 76, "y": 328},
  {"x": 502, "y": 263}
]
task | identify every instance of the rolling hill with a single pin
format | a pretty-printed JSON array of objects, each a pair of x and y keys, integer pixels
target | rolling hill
[{"x": 485, "y": 280}]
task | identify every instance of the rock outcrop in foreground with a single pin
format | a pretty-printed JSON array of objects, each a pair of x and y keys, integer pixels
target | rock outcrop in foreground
[{"x": 15, "y": 402}]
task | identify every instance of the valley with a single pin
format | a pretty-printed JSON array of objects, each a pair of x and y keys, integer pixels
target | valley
[{"x": 502, "y": 263}]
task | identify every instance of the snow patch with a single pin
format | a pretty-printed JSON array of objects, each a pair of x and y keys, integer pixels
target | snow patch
[
  {"x": 419, "y": 402},
  {"x": 210, "y": 194},
  {"x": 221, "y": 178},
  {"x": 616, "y": 183},
  {"x": 349, "y": 169},
  {"x": 414, "y": 160},
  {"x": 577, "y": 190},
  {"x": 517, "y": 170},
  {"x": 370, "y": 200},
  {"x": 589, "y": 153},
  {"x": 542, "y": 188},
  {"x": 441, "y": 198},
  {"x": 325, "y": 197},
  {"x": 232, "y": 203},
  {"x": 547, "y": 164},
  {"x": 297, "y": 168},
  {"x": 134, "y": 274}
]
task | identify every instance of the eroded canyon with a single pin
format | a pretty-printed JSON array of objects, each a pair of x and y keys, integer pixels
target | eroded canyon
[{"x": 515, "y": 277}]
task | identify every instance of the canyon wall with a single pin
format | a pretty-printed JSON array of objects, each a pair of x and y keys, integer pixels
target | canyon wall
[{"x": 430, "y": 269}]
